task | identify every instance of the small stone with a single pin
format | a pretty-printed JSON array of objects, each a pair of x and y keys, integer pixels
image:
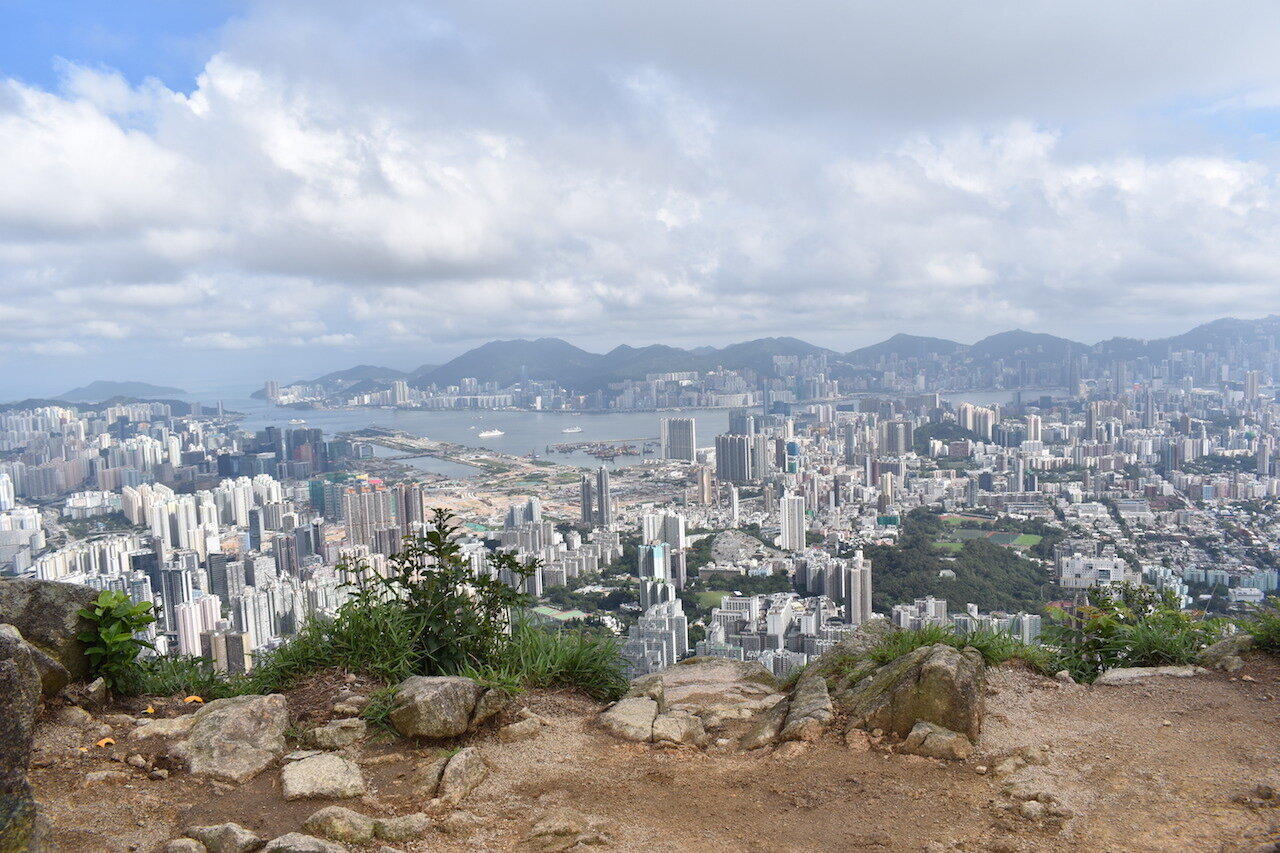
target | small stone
[
  {"x": 225, "y": 838},
  {"x": 105, "y": 777},
  {"x": 326, "y": 775},
  {"x": 1247, "y": 678},
  {"x": 1166, "y": 722},
  {"x": 1032, "y": 810},
  {"x": 136, "y": 760},
  {"x": 679, "y": 728},
  {"x": 857, "y": 740},
  {"x": 296, "y": 842},
  {"x": 526, "y": 714},
  {"x": 158, "y": 774},
  {"x": 97, "y": 691},
  {"x": 981, "y": 770},
  {"x": 1063, "y": 677},
  {"x": 522, "y": 730},
  {"x": 340, "y": 824},
  {"x": 404, "y": 828},
  {"x": 790, "y": 750},
  {"x": 934, "y": 741},
  {"x": 75, "y": 717},
  {"x": 631, "y": 719},
  {"x": 349, "y": 678},
  {"x": 342, "y": 709},
  {"x": 119, "y": 720}
]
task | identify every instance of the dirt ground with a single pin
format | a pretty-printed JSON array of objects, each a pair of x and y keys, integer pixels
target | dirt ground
[{"x": 1168, "y": 765}]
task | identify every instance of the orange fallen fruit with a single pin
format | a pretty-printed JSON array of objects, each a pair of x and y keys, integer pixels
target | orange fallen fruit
[
  {"x": 149, "y": 710},
  {"x": 107, "y": 741},
  {"x": 193, "y": 699}
]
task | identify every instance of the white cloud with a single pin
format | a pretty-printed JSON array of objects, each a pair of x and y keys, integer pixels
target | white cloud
[{"x": 399, "y": 184}]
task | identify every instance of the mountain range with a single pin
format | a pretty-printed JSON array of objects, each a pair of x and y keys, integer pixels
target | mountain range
[{"x": 505, "y": 362}]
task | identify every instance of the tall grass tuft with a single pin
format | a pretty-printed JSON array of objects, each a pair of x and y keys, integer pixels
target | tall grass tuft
[{"x": 537, "y": 657}]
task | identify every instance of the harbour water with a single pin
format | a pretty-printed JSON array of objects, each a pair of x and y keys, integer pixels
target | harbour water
[{"x": 522, "y": 432}]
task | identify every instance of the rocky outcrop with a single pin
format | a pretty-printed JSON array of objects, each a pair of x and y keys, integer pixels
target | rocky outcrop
[
  {"x": 938, "y": 684},
  {"x": 235, "y": 739},
  {"x": 679, "y": 728},
  {"x": 809, "y": 710},
  {"x": 47, "y": 615},
  {"x": 566, "y": 829},
  {"x": 717, "y": 690},
  {"x": 21, "y": 827},
  {"x": 1131, "y": 674},
  {"x": 936, "y": 742},
  {"x": 443, "y": 706},
  {"x": 767, "y": 727},
  {"x": 53, "y": 675},
  {"x": 326, "y": 775}
]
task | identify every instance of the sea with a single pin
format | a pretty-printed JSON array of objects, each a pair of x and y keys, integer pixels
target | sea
[{"x": 523, "y": 432}]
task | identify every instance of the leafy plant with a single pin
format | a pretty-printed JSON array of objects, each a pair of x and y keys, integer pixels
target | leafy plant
[
  {"x": 1128, "y": 625},
  {"x": 112, "y": 645},
  {"x": 457, "y": 617},
  {"x": 1264, "y": 626}
]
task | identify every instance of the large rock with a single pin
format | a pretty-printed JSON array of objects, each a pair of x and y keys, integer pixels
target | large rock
[
  {"x": 1226, "y": 655},
  {"x": 765, "y": 730},
  {"x": 53, "y": 675},
  {"x": 225, "y": 838},
  {"x": 235, "y": 739},
  {"x": 340, "y": 824},
  {"x": 464, "y": 772},
  {"x": 327, "y": 775},
  {"x": 435, "y": 706},
  {"x": 338, "y": 733},
  {"x": 717, "y": 689},
  {"x": 936, "y": 742},
  {"x": 296, "y": 842},
  {"x": 680, "y": 728},
  {"x": 47, "y": 614},
  {"x": 809, "y": 711},
  {"x": 631, "y": 719},
  {"x": 938, "y": 684},
  {"x": 21, "y": 827}
]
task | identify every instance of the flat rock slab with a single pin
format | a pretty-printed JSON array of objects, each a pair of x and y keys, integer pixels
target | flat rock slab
[
  {"x": 1131, "y": 674},
  {"x": 329, "y": 775},
  {"x": 296, "y": 842},
  {"x": 235, "y": 739},
  {"x": 717, "y": 689},
  {"x": 225, "y": 838}
]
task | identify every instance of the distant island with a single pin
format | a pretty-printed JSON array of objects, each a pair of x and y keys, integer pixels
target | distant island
[{"x": 102, "y": 390}]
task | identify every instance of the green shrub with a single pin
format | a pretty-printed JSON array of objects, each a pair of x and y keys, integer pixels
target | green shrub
[
  {"x": 1127, "y": 625},
  {"x": 536, "y": 657},
  {"x": 111, "y": 645},
  {"x": 1264, "y": 626},
  {"x": 185, "y": 675}
]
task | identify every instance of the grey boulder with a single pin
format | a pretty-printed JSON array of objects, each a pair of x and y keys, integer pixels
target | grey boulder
[{"x": 235, "y": 739}]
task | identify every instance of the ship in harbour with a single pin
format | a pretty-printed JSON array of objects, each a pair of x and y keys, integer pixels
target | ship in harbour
[{"x": 490, "y": 433}]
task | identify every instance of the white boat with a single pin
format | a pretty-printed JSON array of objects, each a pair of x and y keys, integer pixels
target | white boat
[
  {"x": 490, "y": 433},
  {"x": 297, "y": 421},
  {"x": 572, "y": 429}
]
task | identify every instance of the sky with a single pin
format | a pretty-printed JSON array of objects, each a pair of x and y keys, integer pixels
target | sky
[{"x": 196, "y": 193}]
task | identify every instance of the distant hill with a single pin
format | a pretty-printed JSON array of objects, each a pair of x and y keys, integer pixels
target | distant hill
[
  {"x": 103, "y": 389},
  {"x": 1028, "y": 345},
  {"x": 177, "y": 407},
  {"x": 359, "y": 373},
  {"x": 903, "y": 346}
]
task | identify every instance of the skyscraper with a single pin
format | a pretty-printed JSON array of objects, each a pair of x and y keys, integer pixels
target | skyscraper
[
  {"x": 733, "y": 458},
  {"x": 792, "y": 523},
  {"x": 604, "y": 499},
  {"x": 679, "y": 439},
  {"x": 588, "y": 511}
]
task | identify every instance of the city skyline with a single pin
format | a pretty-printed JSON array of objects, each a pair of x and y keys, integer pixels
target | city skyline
[{"x": 312, "y": 184}]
